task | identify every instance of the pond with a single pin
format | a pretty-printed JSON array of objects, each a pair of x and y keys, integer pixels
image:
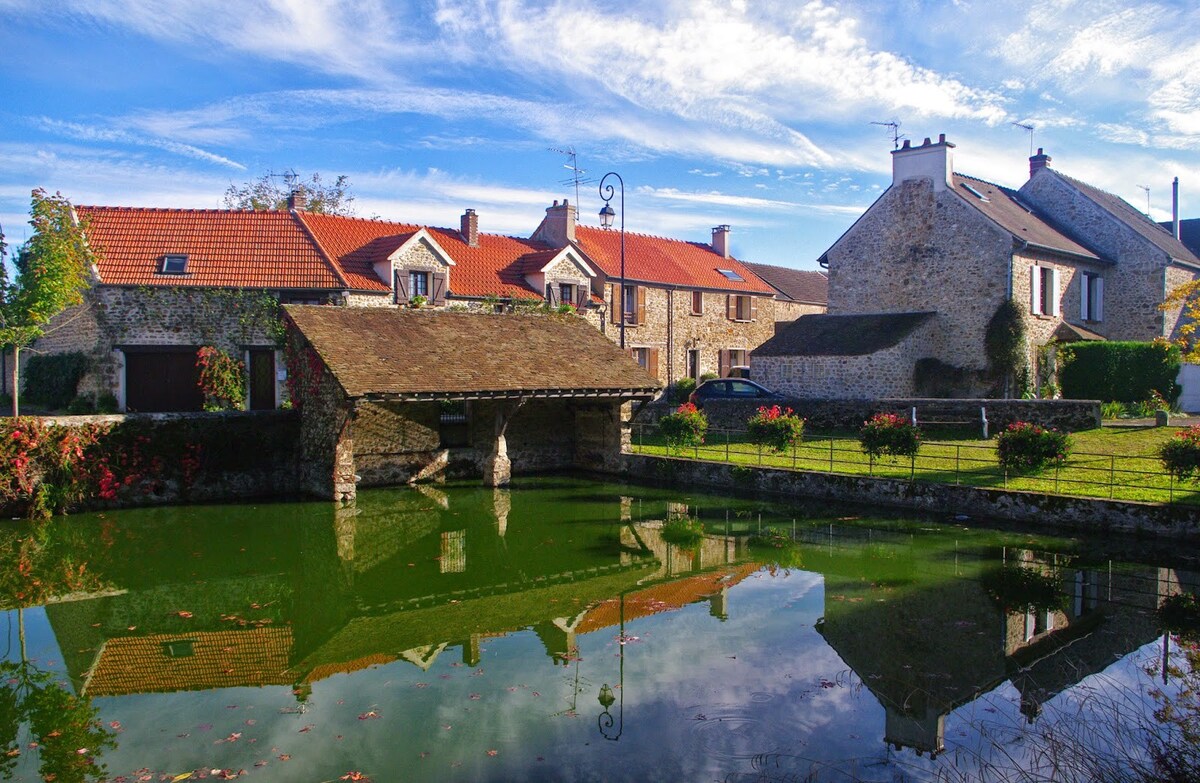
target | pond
[{"x": 553, "y": 631}]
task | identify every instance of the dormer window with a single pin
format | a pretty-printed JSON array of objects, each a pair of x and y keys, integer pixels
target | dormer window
[
  {"x": 173, "y": 264},
  {"x": 732, "y": 275}
]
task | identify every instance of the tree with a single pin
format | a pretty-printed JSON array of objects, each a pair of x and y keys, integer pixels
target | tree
[
  {"x": 53, "y": 270},
  {"x": 1187, "y": 298},
  {"x": 266, "y": 193}
]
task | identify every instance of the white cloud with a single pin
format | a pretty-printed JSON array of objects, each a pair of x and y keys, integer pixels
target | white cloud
[{"x": 83, "y": 132}]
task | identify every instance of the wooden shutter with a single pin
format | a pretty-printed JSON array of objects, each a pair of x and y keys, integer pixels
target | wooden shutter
[
  {"x": 754, "y": 308},
  {"x": 439, "y": 288},
  {"x": 401, "y": 285},
  {"x": 641, "y": 304},
  {"x": 581, "y": 296},
  {"x": 1035, "y": 290},
  {"x": 1098, "y": 304},
  {"x": 1055, "y": 309},
  {"x": 551, "y": 294},
  {"x": 723, "y": 363},
  {"x": 614, "y": 308},
  {"x": 730, "y": 307},
  {"x": 652, "y": 361},
  {"x": 1085, "y": 288}
]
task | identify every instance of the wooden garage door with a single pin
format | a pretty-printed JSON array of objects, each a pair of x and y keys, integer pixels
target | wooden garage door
[{"x": 162, "y": 381}]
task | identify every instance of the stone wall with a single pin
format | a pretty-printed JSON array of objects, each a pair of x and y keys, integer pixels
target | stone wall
[
  {"x": 886, "y": 373},
  {"x": 837, "y": 414},
  {"x": 1053, "y": 512},
  {"x": 787, "y": 310},
  {"x": 326, "y": 448}
]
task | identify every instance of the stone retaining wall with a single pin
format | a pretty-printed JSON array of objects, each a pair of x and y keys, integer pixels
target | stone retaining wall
[{"x": 1054, "y": 512}]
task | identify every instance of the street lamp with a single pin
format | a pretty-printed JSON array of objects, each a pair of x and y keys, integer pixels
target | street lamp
[
  {"x": 606, "y": 220},
  {"x": 610, "y": 727}
]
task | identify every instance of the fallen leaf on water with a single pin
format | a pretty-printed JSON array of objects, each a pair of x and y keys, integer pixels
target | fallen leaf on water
[
  {"x": 475, "y": 697},
  {"x": 493, "y": 752},
  {"x": 368, "y": 715},
  {"x": 115, "y": 725},
  {"x": 357, "y": 776},
  {"x": 309, "y": 727},
  {"x": 285, "y": 757},
  {"x": 185, "y": 615},
  {"x": 181, "y": 776}
]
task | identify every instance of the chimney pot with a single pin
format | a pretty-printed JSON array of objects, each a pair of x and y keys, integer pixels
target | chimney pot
[
  {"x": 907, "y": 144},
  {"x": 469, "y": 228},
  {"x": 297, "y": 200},
  {"x": 927, "y": 142},
  {"x": 941, "y": 138},
  {"x": 1038, "y": 162}
]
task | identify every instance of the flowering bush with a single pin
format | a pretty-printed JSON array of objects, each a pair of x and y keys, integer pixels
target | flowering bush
[
  {"x": 1181, "y": 454},
  {"x": 1027, "y": 448},
  {"x": 889, "y": 434},
  {"x": 222, "y": 379},
  {"x": 779, "y": 429},
  {"x": 685, "y": 427}
]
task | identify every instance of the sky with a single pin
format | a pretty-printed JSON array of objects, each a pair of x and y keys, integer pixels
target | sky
[{"x": 753, "y": 113}]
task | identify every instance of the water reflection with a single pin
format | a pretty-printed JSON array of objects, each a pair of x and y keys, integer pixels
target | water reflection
[{"x": 567, "y": 589}]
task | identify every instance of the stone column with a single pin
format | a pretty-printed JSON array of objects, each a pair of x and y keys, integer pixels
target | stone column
[{"x": 497, "y": 468}]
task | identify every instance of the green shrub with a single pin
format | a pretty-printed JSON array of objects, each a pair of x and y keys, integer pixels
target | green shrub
[
  {"x": 222, "y": 379},
  {"x": 1181, "y": 454},
  {"x": 685, "y": 427},
  {"x": 106, "y": 403},
  {"x": 1121, "y": 371},
  {"x": 82, "y": 405},
  {"x": 51, "y": 379},
  {"x": 779, "y": 429},
  {"x": 1028, "y": 448},
  {"x": 889, "y": 434},
  {"x": 708, "y": 376},
  {"x": 683, "y": 531},
  {"x": 681, "y": 390},
  {"x": 1112, "y": 410}
]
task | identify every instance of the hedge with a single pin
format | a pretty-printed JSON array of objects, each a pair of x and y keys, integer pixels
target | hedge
[
  {"x": 1120, "y": 371},
  {"x": 50, "y": 380}
]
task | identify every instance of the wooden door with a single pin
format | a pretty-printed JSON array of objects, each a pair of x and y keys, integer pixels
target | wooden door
[
  {"x": 162, "y": 381},
  {"x": 262, "y": 379}
]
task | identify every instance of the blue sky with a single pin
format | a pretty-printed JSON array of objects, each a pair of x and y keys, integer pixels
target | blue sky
[{"x": 753, "y": 113}]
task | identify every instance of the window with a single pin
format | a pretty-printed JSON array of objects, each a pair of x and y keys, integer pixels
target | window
[
  {"x": 741, "y": 308},
  {"x": 697, "y": 302},
  {"x": 453, "y": 424},
  {"x": 173, "y": 264},
  {"x": 730, "y": 358},
  {"x": 418, "y": 284},
  {"x": 179, "y": 648},
  {"x": 743, "y": 389},
  {"x": 566, "y": 292},
  {"x": 732, "y": 275},
  {"x": 647, "y": 359},
  {"x": 629, "y": 303},
  {"x": 1044, "y": 290},
  {"x": 1091, "y": 297}
]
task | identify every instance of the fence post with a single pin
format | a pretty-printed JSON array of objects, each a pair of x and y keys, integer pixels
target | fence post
[
  {"x": 830, "y": 453},
  {"x": 793, "y": 456},
  {"x": 1112, "y": 472},
  {"x": 726, "y": 445},
  {"x": 957, "y": 452},
  {"x": 912, "y": 467}
]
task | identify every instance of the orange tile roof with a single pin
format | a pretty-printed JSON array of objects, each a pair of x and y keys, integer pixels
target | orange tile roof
[
  {"x": 219, "y": 659},
  {"x": 664, "y": 597},
  {"x": 225, "y": 248},
  {"x": 661, "y": 260}
]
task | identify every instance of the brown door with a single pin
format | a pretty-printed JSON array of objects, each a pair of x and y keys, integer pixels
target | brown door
[
  {"x": 162, "y": 381},
  {"x": 262, "y": 380}
]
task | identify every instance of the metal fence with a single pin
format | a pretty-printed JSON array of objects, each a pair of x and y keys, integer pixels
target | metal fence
[{"x": 1117, "y": 477}]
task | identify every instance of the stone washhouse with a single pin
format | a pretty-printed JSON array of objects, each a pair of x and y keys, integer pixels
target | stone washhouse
[{"x": 391, "y": 396}]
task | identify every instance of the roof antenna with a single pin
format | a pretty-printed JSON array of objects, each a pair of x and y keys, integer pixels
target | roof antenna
[
  {"x": 1147, "y": 189},
  {"x": 896, "y": 135},
  {"x": 1027, "y": 126},
  {"x": 577, "y": 173}
]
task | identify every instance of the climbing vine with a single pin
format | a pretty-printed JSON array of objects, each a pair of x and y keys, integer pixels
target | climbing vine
[
  {"x": 222, "y": 379},
  {"x": 1004, "y": 343}
]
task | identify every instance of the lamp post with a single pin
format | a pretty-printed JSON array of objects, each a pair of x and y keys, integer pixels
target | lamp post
[
  {"x": 611, "y": 728},
  {"x": 606, "y": 219}
]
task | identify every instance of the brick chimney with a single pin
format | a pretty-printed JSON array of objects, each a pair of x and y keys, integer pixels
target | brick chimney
[
  {"x": 1038, "y": 162},
  {"x": 931, "y": 160},
  {"x": 469, "y": 228},
  {"x": 297, "y": 200},
  {"x": 720, "y": 240},
  {"x": 559, "y": 226}
]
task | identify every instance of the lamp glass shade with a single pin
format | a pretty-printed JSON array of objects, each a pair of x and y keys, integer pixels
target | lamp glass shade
[{"x": 606, "y": 215}]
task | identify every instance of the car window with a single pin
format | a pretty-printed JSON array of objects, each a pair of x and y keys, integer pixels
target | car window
[
  {"x": 742, "y": 389},
  {"x": 715, "y": 389}
]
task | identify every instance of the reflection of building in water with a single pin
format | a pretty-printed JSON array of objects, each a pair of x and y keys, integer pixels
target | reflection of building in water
[
  {"x": 453, "y": 559},
  {"x": 924, "y": 640}
]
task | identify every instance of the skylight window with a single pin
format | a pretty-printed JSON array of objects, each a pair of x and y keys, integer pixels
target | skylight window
[
  {"x": 174, "y": 264},
  {"x": 732, "y": 275},
  {"x": 976, "y": 193}
]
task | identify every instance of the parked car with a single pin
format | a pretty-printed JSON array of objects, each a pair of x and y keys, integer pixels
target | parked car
[{"x": 731, "y": 389}]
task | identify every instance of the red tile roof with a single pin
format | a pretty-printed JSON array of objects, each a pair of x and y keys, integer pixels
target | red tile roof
[
  {"x": 225, "y": 248},
  {"x": 661, "y": 260}
]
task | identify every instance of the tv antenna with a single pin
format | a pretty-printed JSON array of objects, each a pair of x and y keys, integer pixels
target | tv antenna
[
  {"x": 1147, "y": 189},
  {"x": 1027, "y": 127},
  {"x": 289, "y": 177},
  {"x": 577, "y": 173},
  {"x": 894, "y": 125}
]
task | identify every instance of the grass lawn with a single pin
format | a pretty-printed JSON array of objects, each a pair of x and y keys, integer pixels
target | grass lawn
[{"x": 1110, "y": 462}]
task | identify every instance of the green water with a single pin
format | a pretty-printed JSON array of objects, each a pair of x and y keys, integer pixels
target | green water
[{"x": 551, "y": 632}]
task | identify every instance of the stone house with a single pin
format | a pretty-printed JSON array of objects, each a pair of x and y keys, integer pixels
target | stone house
[
  {"x": 687, "y": 308},
  {"x": 957, "y": 247},
  {"x": 797, "y": 291}
]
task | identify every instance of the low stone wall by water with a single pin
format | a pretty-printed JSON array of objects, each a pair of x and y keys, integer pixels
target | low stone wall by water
[
  {"x": 1066, "y": 415},
  {"x": 1054, "y": 512}
]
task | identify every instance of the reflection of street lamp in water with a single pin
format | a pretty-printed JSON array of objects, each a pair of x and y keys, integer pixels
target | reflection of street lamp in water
[{"x": 606, "y": 697}]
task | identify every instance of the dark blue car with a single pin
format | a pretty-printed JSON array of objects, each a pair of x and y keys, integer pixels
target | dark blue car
[{"x": 731, "y": 389}]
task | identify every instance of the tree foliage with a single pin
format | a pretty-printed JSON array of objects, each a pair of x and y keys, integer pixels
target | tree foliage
[
  {"x": 1004, "y": 342},
  {"x": 268, "y": 193},
  {"x": 1186, "y": 297}
]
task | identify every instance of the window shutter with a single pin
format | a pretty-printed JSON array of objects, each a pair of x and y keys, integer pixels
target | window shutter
[
  {"x": 439, "y": 288},
  {"x": 652, "y": 361},
  {"x": 401, "y": 285},
  {"x": 754, "y": 308},
  {"x": 1085, "y": 289},
  {"x": 1035, "y": 290},
  {"x": 641, "y": 304},
  {"x": 1098, "y": 303},
  {"x": 551, "y": 294},
  {"x": 1054, "y": 295},
  {"x": 581, "y": 297},
  {"x": 614, "y": 308},
  {"x": 723, "y": 363},
  {"x": 730, "y": 307}
]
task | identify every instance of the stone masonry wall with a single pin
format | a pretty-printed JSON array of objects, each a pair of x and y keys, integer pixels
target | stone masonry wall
[
  {"x": 915, "y": 250},
  {"x": 886, "y": 373},
  {"x": 787, "y": 310},
  {"x": 1133, "y": 289},
  {"x": 670, "y": 311}
]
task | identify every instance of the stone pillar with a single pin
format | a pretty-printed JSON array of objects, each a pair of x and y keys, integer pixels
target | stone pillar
[
  {"x": 497, "y": 468},
  {"x": 501, "y": 506}
]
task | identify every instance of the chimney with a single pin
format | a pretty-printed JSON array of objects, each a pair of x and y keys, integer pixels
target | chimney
[
  {"x": 934, "y": 161},
  {"x": 469, "y": 228},
  {"x": 1038, "y": 162},
  {"x": 297, "y": 200},
  {"x": 559, "y": 226},
  {"x": 720, "y": 241},
  {"x": 1175, "y": 207}
]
